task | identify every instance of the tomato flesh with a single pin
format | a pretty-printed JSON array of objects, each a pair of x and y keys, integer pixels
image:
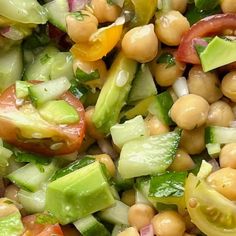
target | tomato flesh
[
  {"x": 209, "y": 26},
  {"x": 211, "y": 212},
  {"x": 69, "y": 136},
  {"x": 34, "y": 229}
]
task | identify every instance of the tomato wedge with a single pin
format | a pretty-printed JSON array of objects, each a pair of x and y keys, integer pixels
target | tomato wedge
[
  {"x": 34, "y": 229},
  {"x": 59, "y": 139},
  {"x": 210, "y": 211},
  {"x": 212, "y": 25}
]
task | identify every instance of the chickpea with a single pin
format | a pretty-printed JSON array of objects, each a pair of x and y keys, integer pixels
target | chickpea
[
  {"x": 166, "y": 75},
  {"x": 104, "y": 11},
  {"x": 134, "y": 44},
  {"x": 193, "y": 141},
  {"x": 220, "y": 114},
  {"x": 140, "y": 215},
  {"x": 81, "y": 25},
  {"x": 89, "y": 67},
  {"x": 131, "y": 231},
  {"x": 190, "y": 111},
  {"x": 228, "y": 6},
  {"x": 90, "y": 127},
  {"x": 204, "y": 84},
  {"x": 228, "y": 85},
  {"x": 168, "y": 223},
  {"x": 128, "y": 197},
  {"x": 228, "y": 156},
  {"x": 11, "y": 192},
  {"x": 224, "y": 181},
  {"x": 179, "y": 5},
  {"x": 170, "y": 27},
  {"x": 155, "y": 126},
  {"x": 182, "y": 161},
  {"x": 108, "y": 162}
]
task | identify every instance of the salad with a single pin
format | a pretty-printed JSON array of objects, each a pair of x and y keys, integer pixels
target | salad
[{"x": 117, "y": 118}]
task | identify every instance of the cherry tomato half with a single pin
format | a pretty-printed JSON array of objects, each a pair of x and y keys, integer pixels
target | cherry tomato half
[
  {"x": 53, "y": 139},
  {"x": 209, "y": 26},
  {"x": 34, "y": 229},
  {"x": 210, "y": 211}
]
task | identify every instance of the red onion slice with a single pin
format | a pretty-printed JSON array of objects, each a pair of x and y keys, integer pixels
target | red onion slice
[
  {"x": 147, "y": 231},
  {"x": 76, "y": 5}
]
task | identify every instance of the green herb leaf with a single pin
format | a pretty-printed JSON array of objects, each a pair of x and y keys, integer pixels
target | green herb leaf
[
  {"x": 166, "y": 58},
  {"x": 82, "y": 76},
  {"x": 45, "y": 219},
  {"x": 73, "y": 166},
  {"x": 79, "y": 15},
  {"x": 168, "y": 184},
  {"x": 39, "y": 160},
  {"x": 110, "y": 2},
  {"x": 77, "y": 90}
]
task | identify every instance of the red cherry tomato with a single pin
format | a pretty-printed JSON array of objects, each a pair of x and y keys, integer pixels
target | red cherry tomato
[
  {"x": 34, "y": 229},
  {"x": 68, "y": 138},
  {"x": 209, "y": 26}
]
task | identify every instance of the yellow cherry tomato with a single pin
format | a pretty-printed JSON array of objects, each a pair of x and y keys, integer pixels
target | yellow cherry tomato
[{"x": 100, "y": 43}]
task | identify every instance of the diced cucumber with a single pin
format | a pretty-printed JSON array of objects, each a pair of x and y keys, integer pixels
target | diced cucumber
[
  {"x": 78, "y": 194},
  {"x": 90, "y": 226},
  {"x": 161, "y": 106},
  {"x": 22, "y": 90},
  {"x": 57, "y": 11},
  {"x": 121, "y": 183},
  {"x": 213, "y": 149},
  {"x": 140, "y": 198},
  {"x": 5, "y": 154},
  {"x": 40, "y": 68},
  {"x": 151, "y": 155},
  {"x": 114, "y": 192},
  {"x": 117, "y": 214},
  {"x": 143, "y": 85},
  {"x": 220, "y": 135},
  {"x": 24, "y": 11},
  {"x": 11, "y": 66},
  {"x": 30, "y": 178},
  {"x": 49, "y": 90},
  {"x": 114, "y": 93},
  {"x": 62, "y": 66},
  {"x": 131, "y": 129},
  {"x": 118, "y": 229},
  {"x": 59, "y": 112},
  {"x": 143, "y": 185},
  {"x": 32, "y": 202}
]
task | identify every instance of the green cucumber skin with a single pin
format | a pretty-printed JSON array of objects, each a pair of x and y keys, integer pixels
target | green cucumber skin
[
  {"x": 90, "y": 226},
  {"x": 145, "y": 156}
]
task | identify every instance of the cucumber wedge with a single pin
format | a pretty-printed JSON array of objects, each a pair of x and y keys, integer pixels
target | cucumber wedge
[
  {"x": 146, "y": 156},
  {"x": 57, "y": 11}
]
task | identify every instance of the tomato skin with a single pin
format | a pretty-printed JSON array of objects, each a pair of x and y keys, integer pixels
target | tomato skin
[
  {"x": 210, "y": 211},
  {"x": 34, "y": 229},
  {"x": 208, "y": 26},
  {"x": 72, "y": 134}
]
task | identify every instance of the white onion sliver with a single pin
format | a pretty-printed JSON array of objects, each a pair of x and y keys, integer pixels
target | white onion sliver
[
  {"x": 147, "y": 231},
  {"x": 180, "y": 87}
]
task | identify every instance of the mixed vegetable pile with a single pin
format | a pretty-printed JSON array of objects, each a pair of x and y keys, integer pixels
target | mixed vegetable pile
[{"x": 117, "y": 117}]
